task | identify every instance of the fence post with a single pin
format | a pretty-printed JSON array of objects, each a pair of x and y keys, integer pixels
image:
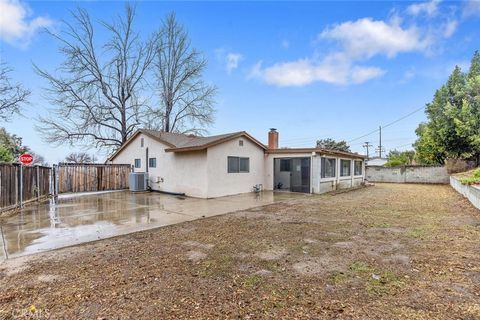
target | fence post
[
  {"x": 57, "y": 180},
  {"x": 16, "y": 185},
  {"x": 53, "y": 181},
  {"x": 38, "y": 182},
  {"x": 21, "y": 186}
]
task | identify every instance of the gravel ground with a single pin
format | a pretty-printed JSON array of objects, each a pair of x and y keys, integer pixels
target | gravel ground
[{"x": 383, "y": 252}]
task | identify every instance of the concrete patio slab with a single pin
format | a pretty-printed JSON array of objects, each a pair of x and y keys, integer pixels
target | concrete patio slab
[{"x": 75, "y": 219}]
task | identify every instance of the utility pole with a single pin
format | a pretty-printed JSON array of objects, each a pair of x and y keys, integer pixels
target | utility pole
[
  {"x": 380, "y": 147},
  {"x": 367, "y": 145}
]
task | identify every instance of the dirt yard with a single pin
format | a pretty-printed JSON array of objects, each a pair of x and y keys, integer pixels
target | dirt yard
[{"x": 383, "y": 252}]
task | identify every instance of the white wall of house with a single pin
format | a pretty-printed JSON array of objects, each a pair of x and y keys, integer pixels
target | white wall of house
[
  {"x": 220, "y": 182},
  {"x": 205, "y": 174},
  {"x": 269, "y": 166},
  {"x": 174, "y": 172},
  {"x": 318, "y": 184}
]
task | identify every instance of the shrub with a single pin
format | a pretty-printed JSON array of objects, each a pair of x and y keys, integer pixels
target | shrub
[
  {"x": 394, "y": 163},
  {"x": 473, "y": 179},
  {"x": 456, "y": 166}
]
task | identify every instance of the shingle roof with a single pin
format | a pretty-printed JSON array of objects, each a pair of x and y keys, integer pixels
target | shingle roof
[{"x": 179, "y": 142}]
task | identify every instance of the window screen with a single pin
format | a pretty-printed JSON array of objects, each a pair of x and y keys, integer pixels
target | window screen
[
  {"x": 285, "y": 165},
  {"x": 152, "y": 162},
  {"x": 138, "y": 163},
  {"x": 244, "y": 165},
  {"x": 233, "y": 165},
  {"x": 345, "y": 168},
  {"x": 328, "y": 167},
  {"x": 358, "y": 167},
  {"x": 141, "y": 142},
  {"x": 237, "y": 164}
]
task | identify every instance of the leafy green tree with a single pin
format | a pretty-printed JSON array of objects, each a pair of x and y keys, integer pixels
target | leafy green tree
[
  {"x": 5, "y": 154},
  {"x": 400, "y": 158},
  {"x": 453, "y": 126},
  {"x": 427, "y": 151},
  {"x": 12, "y": 143},
  {"x": 11, "y": 147},
  {"x": 333, "y": 145}
]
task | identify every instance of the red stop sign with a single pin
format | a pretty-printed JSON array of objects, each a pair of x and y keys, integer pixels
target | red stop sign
[{"x": 26, "y": 158}]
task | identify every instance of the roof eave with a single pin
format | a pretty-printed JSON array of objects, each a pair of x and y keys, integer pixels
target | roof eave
[
  {"x": 129, "y": 140},
  {"x": 216, "y": 142},
  {"x": 315, "y": 150}
]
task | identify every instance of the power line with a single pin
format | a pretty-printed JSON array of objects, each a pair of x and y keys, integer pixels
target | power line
[
  {"x": 299, "y": 141},
  {"x": 403, "y": 145},
  {"x": 404, "y": 117},
  {"x": 388, "y": 124}
]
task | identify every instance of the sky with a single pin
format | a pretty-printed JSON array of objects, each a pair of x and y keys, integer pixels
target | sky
[{"x": 310, "y": 69}]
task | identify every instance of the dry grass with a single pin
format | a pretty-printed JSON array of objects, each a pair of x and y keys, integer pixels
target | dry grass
[{"x": 384, "y": 252}]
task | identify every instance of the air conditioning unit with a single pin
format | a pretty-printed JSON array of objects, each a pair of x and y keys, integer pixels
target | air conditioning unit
[{"x": 137, "y": 181}]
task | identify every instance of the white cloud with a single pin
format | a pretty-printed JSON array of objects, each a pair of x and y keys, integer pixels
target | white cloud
[
  {"x": 408, "y": 75},
  {"x": 333, "y": 69},
  {"x": 356, "y": 41},
  {"x": 229, "y": 60},
  {"x": 361, "y": 74},
  {"x": 365, "y": 38},
  {"x": 430, "y": 8},
  {"x": 15, "y": 26},
  {"x": 471, "y": 8},
  {"x": 232, "y": 61},
  {"x": 450, "y": 28}
]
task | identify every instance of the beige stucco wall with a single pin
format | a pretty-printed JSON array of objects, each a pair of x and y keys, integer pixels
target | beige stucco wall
[
  {"x": 318, "y": 185},
  {"x": 269, "y": 165},
  {"x": 175, "y": 172},
  {"x": 204, "y": 173},
  {"x": 220, "y": 182}
]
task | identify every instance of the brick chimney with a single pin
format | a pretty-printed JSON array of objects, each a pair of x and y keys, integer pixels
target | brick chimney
[{"x": 273, "y": 139}]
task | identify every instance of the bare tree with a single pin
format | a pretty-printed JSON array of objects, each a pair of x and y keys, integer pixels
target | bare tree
[
  {"x": 80, "y": 157},
  {"x": 12, "y": 95},
  {"x": 38, "y": 159},
  {"x": 186, "y": 100},
  {"x": 96, "y": 93}
]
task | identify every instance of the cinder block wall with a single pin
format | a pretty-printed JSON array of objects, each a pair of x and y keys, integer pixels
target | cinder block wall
[
  {"x": 408, "y": 174},
  {"x": 472, "y": 193}
]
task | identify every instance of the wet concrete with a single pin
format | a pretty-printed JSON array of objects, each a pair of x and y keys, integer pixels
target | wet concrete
[{"x": 82, "y": 218}]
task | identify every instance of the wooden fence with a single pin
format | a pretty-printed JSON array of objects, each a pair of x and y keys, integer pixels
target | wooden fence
[
  {"x": 92, "y": 177},
  {"x": 18, "y": 187}
]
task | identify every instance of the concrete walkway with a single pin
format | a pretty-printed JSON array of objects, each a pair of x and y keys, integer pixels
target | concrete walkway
[{"x": 83, "y": 218}]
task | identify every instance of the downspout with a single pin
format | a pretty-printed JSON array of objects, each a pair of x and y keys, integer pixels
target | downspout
[
  {"x": 352, "y": 172},
  {"x": 311, "y": 173},
  {"x": 146, "y": 167},
  {"x": 146, "y": 159}
]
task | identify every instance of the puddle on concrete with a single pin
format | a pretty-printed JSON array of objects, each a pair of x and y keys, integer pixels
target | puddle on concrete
[{"x": 89, "y": 217}]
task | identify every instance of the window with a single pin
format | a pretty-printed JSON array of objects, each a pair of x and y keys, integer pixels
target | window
[
  {"x": 152, "y": 162},
  {"x": 328, "y": 167},
  {"x": 345, "y": 168},
  {"x": 240, "y": 143},
  {"x": 138, "y": 163},
  {"x": 237, "y": 164},
  {"x": 141, "y": 142},
  {"x": 358, "y": 167},
  {"x": 244, "y": 165},
  {"x": 285, "y": 165}
]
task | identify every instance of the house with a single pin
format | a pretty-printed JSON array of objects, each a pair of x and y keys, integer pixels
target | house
[
  {"x": 232, "y": 163},
  {"x": 376, "y": 161}
]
